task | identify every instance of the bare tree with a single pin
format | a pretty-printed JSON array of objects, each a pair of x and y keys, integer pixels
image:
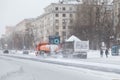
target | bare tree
[
  {"x": 30, "y": 38},
  {"x": 118, "y": 28},
  {"x": 93, "y": 23}
]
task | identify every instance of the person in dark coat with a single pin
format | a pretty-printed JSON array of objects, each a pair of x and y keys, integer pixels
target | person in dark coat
[
  {"x": 106, "y": 53},
  {"x": 101, "y": 53}
]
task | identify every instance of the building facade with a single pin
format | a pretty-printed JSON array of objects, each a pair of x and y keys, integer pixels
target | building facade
[
  {"x": 23, "y": 25},
  {"x": 56, "y": 21}
]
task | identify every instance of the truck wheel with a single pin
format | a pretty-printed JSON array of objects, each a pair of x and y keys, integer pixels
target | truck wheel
[{"x": 42, "y": 53}]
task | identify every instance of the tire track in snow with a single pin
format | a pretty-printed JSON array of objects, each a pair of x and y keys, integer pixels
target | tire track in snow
[
  {"x": 9, "y": 74},
  {"x": 19, "y": 72}
]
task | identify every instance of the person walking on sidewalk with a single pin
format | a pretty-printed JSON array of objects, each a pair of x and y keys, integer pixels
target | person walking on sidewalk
[
  {"x": 106, "y": 53},
  {"x": 101, "y": 52}
]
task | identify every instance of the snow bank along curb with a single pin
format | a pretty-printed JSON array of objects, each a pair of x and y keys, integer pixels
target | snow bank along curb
[{"x": 81, "y": 64}]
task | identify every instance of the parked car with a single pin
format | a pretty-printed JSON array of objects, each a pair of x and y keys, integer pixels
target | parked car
[
  {"x": 6, "y": 51},
  {"x": 25, "y": 52}
]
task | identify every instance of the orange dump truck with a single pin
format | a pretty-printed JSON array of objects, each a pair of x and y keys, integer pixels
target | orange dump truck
[
  {"x": 46, "y": 48},
  {"x": 42, "y": 48}
]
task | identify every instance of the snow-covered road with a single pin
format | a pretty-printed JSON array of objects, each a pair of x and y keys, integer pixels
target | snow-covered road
[
  {"x": 110, "y": 64},
  {"x": 20, "y": 69}
]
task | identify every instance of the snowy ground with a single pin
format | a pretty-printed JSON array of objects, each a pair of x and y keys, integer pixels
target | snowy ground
[
  {"x": 26, "y": 68},
  {"x": 7, "y": 69},
  {"x": 21, "y": 69}
]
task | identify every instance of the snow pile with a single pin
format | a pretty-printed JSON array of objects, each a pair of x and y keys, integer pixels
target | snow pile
[
  {"x": 93, "y": 54},
  {"x": 96, "y": 54}
]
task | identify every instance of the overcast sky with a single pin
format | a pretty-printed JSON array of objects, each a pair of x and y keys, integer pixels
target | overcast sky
[{"x": 14, "y": 11}]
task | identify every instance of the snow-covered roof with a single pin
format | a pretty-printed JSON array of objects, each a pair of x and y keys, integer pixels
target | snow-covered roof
[{"x": 73, "y": 38}]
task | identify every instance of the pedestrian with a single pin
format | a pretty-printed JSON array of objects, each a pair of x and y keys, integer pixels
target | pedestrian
[
  {"x": 101, "y": 53},
  {"x": 106, "y": 53}
]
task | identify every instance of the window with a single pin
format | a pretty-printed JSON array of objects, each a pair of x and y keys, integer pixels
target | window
[
  {"x": 56, "y": 8},
  {"x": 64, "y": 23},
  {"x": 63, "y": 8},
  {"x": 48, "y": 32},
  {"x": 71, "y": 21},
  {"x": 57, "y": 33},
  {"x": 70, "y": 8},
  {"x": 64, "y": 27},
  {"x": 119, "y": 4},
  {"x": 57, "y": 15},
  {"x": 71, "y": 15},
  {"x": 56, "y": 21},
  {"x": 64, "y": 15},
  {"x": 57, "y": 27},
  {"x": 64, "y": 33},
  {"x": 70, "y": 27}
]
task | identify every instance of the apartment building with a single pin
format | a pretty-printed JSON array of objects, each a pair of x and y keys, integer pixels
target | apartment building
[
  {"x": 23, "y": 25},
  {"x": 56, "y": 21},
  {"x": 9, "y": 30}
]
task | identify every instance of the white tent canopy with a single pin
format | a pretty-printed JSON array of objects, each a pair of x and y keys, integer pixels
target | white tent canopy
[{"x": 73, "y": 38}]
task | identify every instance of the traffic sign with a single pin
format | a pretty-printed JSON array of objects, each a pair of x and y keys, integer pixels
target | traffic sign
[{"x": 54, "y": 39}]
